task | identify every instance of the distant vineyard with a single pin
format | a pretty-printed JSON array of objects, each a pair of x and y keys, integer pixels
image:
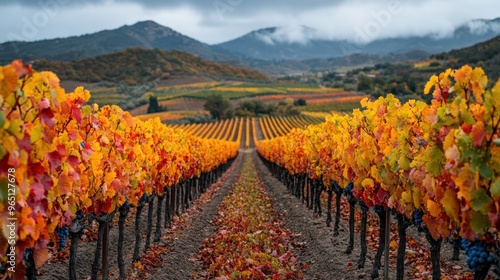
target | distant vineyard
[
  {"x": 190, "y": 86},
  {"x": 272, "y": 127},
  {"x": 312, "y": 90},
  {"x": 344, "y": 106},
  {"x": 169, "y": 115},
  {"x": 228, "y": 130},
  {"x": 320, "y": 115},
  {"x": 335, "y": 100},
  {"x": 244, "y": 130},
  {"x": 185, "y": 96},
  {"x": 332, "y": 95},
  {"x": 234, "y": 90}
]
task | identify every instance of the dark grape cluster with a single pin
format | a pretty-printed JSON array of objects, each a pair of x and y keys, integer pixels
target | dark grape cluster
[
  {"x": 378, "y": 209},
  {"x": 477, "y": 255},
  {"x": 26, "y": 255},
  {"x": 80, "y": 215},
  {"x": 417, "y": 217},
  {"x": 464, "y": 244},
  {"x": 349, "y": 187},
  {"x": 62, "y": 233}
]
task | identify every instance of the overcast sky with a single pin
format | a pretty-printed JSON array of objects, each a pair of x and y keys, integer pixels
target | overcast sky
[{"x": 216, "y": 21}]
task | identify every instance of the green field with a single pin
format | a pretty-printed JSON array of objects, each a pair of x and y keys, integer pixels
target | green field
[{"x": 328, "y": 107}]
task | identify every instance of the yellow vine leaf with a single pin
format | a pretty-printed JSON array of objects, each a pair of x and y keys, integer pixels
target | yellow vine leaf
[
  {"x": 109, "y": 177},
  {"x": 433, "y": 208},
  {"x": 478, "y": 81},
  {"x": 8, "y": 80},
  {"x": 450, "y": 204},
  {"x": 368, "y": 183},
  {"x": 432, "y": 82}
]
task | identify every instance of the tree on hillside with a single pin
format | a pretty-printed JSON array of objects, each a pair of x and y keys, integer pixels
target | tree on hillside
[
  {"x": 364, "y": 83},
  {"x": 253, "y": 107},
  {"x": 219, "y": 107},
  {"x": 154, "y": 106},
  {"x": 300, "y": 102},
  {"x": 284, "y": 108}
]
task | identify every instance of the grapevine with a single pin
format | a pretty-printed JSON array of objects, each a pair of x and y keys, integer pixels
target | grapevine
[
  {"x": 74, "y": 160},
  {"x": 436, "y": 164}
]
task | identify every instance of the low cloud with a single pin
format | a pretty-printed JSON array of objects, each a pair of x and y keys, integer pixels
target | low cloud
[
  {"x": 295, "y": 34},
  {"x": 482, "y": 27}
]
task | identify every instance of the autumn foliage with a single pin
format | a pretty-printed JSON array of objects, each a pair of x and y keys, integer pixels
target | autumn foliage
[
  {"x": 442, "y": 158},
  {"x": 72, "y": 157}
]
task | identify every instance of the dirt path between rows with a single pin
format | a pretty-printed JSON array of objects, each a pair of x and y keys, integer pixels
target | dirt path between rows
[
  {"x": 180, "y": 263},
  {"x": 323, "y": 252}
]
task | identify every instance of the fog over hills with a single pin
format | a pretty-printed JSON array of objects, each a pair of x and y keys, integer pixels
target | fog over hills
[
  {"x": 302, "y": 42},
  {"x": 270, "y": 49}
]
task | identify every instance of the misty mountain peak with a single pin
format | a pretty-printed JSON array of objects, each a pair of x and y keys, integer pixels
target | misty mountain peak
[
  {"x": 481, "y": 26},
  {"x": 291, "y": 34},
  {"x": 150, "y": 30}
]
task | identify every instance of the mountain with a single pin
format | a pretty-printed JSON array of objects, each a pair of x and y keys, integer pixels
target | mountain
[
  {"x": 138, "y": 65},
  {"x": 145, "y": 34},
  {"x": 277, "y": 50},
  {"x": 301, "y": 42},
  {"x": 286, "y": 43}
]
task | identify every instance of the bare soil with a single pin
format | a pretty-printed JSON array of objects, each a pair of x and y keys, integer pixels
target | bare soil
[
  {"x": 180, "y": 263},
  {"x": 323, "y": 252}
]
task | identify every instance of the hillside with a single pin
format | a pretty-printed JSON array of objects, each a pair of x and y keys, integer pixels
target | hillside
[
  {"x": 137, "y": 65},
  {"x": 406, "y": 80},
  {"x": 485, "y": 54},
  {"x": 295, "y": 67}
]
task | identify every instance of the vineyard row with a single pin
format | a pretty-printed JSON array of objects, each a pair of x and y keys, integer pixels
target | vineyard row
[
  {"x": 66, "y": 163},
  {"x": 435, "y": 165}
]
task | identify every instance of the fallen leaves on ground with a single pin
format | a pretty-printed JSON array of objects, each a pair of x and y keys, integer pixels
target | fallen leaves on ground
[{"x": 249, "y": 242}]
